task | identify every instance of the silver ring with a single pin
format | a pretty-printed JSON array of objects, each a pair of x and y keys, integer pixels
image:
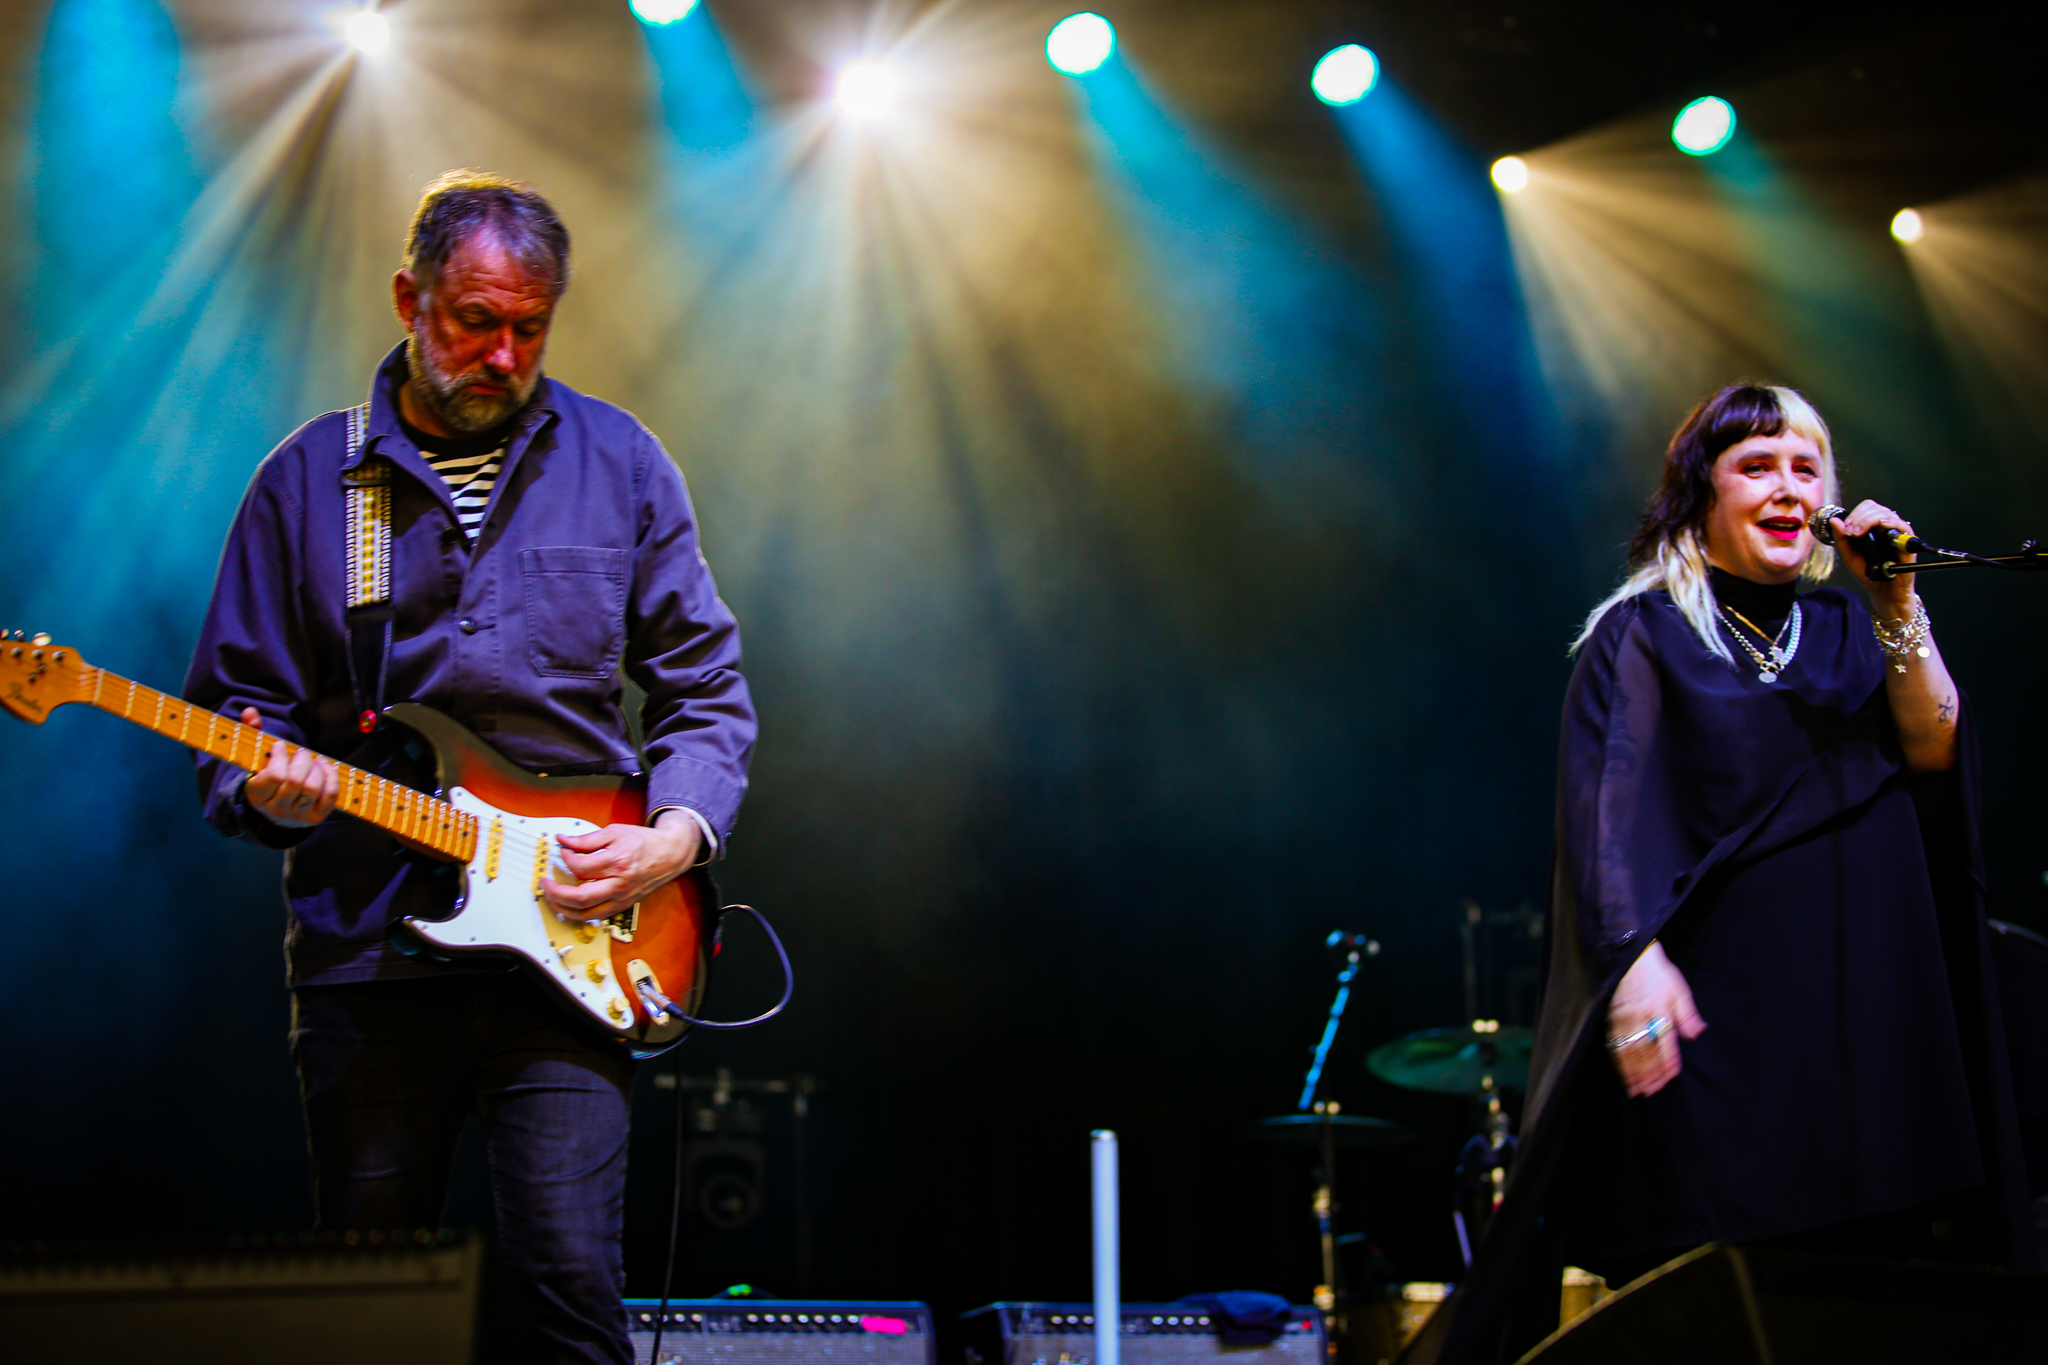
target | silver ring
[
  {"x": 1649, "y": 1032},
  {"x": 1823, "y": 532}
]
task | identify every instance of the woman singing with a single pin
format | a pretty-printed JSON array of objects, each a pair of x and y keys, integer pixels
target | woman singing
[{"x": 1767, "y": 1015}]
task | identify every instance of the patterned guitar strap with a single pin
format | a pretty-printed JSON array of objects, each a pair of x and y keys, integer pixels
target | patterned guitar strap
[{"x": 366, "y": 487}]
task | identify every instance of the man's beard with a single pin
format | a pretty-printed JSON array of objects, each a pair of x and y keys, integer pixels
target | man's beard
[{"x": 458, "y": 408}]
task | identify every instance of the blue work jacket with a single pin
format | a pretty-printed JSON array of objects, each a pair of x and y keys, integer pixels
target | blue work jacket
[{"x": 584, "y": 572}]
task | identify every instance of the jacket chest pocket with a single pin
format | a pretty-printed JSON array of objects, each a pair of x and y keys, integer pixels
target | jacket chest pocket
[{"x": 575, "y": 609}]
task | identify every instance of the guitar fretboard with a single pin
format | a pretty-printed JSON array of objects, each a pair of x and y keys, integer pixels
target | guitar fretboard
[{"x": 414, "y": 816}]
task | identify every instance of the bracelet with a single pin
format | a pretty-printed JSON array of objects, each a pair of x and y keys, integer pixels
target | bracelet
[
  {"x": 1651, "y": 1032},
  {"x": 1906, "y": 637}
]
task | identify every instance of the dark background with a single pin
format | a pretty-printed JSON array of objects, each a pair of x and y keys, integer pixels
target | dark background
[{"x": 1136, "y": 586}]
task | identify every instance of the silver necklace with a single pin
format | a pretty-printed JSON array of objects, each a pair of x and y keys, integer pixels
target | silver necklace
[{"x": 1781, "y": 649}]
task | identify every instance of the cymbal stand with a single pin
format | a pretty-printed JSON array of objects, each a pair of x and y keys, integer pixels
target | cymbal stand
[
  {"x": 1483, "y": 1164},
  {"x": 1357, "y": 946}
]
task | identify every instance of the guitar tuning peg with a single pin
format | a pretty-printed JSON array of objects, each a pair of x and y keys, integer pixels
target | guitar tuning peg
[{"x": 42, "y": 638}]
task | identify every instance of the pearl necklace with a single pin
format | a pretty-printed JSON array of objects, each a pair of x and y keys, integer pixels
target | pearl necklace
[{"x": 1767, "y": 669}]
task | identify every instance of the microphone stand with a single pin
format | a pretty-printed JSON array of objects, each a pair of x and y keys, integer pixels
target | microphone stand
[
  {"x": 1326, "y": 1296},
  {"x": 2032, "y": 558}
]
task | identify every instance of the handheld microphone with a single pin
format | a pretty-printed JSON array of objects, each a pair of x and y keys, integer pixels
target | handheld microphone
[{"x": 1879, "y": 545}]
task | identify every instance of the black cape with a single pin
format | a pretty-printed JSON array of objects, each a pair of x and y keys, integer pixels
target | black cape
[{"x": 1687, "y": 790}]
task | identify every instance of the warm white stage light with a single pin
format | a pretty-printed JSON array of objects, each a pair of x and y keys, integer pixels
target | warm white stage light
[
  {"x": 367, "y": 31},
  {"x": 1907, "y": 225},
  {"x": 1345, "y": 75},
  {"x": 1704, "y": 126},
  {"x": 867, "y": 90},
  {"x": 659, "y": 12},
  {"x": 1511, "y": 173},
  {"x": 1079, "y": 43}
]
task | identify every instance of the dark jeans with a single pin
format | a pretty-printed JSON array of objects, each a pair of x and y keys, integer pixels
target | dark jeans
[{"x": 389, "y": 1069}]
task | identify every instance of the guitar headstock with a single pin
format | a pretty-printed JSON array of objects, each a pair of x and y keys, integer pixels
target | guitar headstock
[{"x": 37, "y": 677}]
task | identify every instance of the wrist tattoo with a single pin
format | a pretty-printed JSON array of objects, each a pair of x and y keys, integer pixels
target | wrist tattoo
[{"x": 1945, "y": 710}]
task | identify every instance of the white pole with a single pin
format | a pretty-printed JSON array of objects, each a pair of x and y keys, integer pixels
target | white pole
[{"x": 1108, "y": 1317}]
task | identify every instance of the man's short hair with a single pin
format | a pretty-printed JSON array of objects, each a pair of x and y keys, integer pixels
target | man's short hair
[{"x": 461, "y": 205}]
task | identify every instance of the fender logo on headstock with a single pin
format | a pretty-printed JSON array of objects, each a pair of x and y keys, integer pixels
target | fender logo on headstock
[{"x": 26, "y": 702}]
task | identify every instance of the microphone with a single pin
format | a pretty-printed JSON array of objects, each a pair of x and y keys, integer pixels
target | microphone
[{"x": 1879, "y": 545}]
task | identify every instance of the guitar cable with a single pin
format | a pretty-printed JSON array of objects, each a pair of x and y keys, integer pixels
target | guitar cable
[{"x": 675, "y": 1206}]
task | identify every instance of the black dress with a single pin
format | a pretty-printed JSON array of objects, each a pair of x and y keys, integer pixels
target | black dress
[
  {"x": 1830, "y": 1084},
  {"x": 1826, "y": 910}
]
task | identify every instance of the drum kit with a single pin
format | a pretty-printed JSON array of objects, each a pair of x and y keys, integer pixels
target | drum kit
[{"x": 1478, "y": 1061}]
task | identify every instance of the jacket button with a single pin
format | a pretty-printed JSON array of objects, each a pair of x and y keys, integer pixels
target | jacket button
[{"x": 467, "y": 625}]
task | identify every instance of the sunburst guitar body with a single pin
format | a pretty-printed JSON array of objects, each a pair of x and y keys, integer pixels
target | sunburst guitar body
[{"x": 635, "y": 975}]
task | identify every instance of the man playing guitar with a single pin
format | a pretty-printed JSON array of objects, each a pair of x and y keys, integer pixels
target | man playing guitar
[{"x": 485, "y": 541}]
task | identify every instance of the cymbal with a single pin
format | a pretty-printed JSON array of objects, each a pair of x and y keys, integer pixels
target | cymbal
[
  {"x": 1455, "y": 1061},
  {"x": 1346, "y": 1130}
]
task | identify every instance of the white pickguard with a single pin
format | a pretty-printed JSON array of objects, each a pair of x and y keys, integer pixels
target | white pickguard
[{"x": 501, "y": 907}]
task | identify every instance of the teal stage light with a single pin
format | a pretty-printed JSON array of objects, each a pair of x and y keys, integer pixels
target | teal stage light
[
  {"x": 1079, "y": 44},
  {"x": 1704, "y": 126},
  {"x": 659, "y": 12},
  {"x": 1345, "y": 75}
]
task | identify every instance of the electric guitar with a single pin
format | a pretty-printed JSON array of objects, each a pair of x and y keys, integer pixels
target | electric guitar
[{"x": 635, "y": 975}]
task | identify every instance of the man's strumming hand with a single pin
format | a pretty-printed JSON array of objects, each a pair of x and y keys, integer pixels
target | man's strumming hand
[{"x": 620, "y": 864}]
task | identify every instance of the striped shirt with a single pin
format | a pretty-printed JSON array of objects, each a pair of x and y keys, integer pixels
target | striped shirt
[{"x": 470, "y": 479}]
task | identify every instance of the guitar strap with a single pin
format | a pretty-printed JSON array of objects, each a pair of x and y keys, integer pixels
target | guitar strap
[{"x": 366, "y": 487}]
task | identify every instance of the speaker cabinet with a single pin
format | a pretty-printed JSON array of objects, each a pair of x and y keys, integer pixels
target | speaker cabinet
[
  {"x": 745, "y": 1331},
  {"x": 1746, "y": 1306},
  {"x": 1150, "y": 1334},
  {"x": 295, "y": 1302}
]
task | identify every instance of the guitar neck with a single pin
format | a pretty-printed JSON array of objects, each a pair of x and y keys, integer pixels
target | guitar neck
[{"x": 424, "y": 822}]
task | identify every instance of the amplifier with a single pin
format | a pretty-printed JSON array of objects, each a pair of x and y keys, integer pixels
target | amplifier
[
  {"x": 292, "y": 1301},
  {"x": 1150, "y": 1334},
  {"x": 742, "y": 1331}
]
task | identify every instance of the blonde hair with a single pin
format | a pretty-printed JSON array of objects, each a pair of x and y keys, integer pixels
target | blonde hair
[{"x": 1669, "y": 549}]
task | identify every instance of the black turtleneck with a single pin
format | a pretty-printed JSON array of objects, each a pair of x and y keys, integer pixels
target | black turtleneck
[{"x": 1767, "y": 604}]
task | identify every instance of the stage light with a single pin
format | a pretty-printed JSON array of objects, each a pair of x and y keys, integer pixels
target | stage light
[
  {"x": 867, "y": 90},
  {"x": 1907, "y": 225},
  {"x": 1345, "y": 75},
  {"x": 1704, "y": 126},
  {"x": 1079, "y": 43},
  {"x": 367, "y": 31},
  {"x": 1511, "y": 173},
  {"x": 659, "y": 12}
]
